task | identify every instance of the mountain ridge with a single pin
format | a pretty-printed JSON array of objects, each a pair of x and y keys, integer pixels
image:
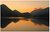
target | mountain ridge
[{"x": 39, "y": 15}]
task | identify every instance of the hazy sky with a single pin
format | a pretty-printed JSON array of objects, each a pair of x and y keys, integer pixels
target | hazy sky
[
  {"x": 24, "y": 0},
  {"x": 25, "y": 6}
]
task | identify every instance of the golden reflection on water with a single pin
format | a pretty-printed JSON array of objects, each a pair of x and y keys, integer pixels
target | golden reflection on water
[{"x": 25, "y": 25}]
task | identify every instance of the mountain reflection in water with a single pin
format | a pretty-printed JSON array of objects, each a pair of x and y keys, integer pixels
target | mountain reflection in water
[
  {"x": 24, "y": 24},
  {"x": 8, "y": 20}
]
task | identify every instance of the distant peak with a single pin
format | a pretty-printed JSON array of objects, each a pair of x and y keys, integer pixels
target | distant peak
[
  {"x": 3, "y": 5},
  {"x": 15, "y": 10}
]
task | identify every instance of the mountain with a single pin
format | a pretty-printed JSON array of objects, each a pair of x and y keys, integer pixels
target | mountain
[
  {"x": 41, "y": 16},
  {"x": 40, "y": 12},
  {"x": 6, "y": 12},
  {"x": 16, "y": 13},
  {"x": 26, "y": 15}
]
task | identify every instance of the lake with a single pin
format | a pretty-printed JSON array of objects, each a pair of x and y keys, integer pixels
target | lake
[{"x": 23, "y": 24}]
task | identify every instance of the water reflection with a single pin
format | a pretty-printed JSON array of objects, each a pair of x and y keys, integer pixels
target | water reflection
[
  {"x": 41, "y": 21},
  {"x": 25, "y": 25},
  {"x": 7, "y": 20}
]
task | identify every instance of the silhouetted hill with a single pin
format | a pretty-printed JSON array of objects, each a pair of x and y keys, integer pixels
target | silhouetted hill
[
  {"x": 41, "y": 16},
  {"x": 26, "y": 15},
  {"x": 16, "y": 13},
  {"x": 6, "y": 12},
  {"x": 40, "y": 12}
]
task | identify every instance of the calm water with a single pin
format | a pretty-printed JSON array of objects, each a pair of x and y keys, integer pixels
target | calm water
[{"x": 23, "y": 24}]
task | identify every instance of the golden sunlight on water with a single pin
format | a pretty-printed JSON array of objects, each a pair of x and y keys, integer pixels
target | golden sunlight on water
[{"x": 24, "y": 25}]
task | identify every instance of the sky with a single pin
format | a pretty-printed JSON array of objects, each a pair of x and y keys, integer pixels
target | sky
[
  {"x": 24, "y": 0},
  {"x": 25, "y": 6}
]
